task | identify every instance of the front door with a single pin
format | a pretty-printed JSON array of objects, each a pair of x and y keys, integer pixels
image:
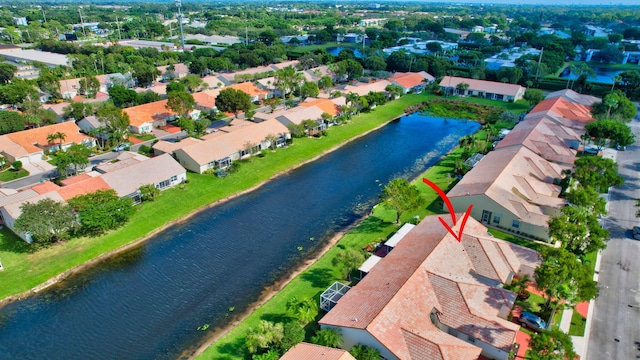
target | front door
[{"x": 486, "y": 216}]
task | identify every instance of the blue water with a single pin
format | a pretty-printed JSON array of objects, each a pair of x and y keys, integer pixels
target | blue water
[
  {"x": 603, "y": 75},
  {"x": 335, "y": 51},
  {"x": 149, "y": 302}
]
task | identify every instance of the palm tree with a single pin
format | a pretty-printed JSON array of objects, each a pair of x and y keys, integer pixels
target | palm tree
[
  {"x": 610, "y": 102},
  {"x": 327, "y": 337},
  {"x": 492, "y": 132},
  {"x": 616, "y": 79},
  {"x": 60, "y": 136},
  {"x": 305, "y": 311}
]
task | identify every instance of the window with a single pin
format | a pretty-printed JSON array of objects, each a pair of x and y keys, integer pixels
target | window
[
  {"x": 515, "y": 224},
  {"x": 496, "y": 218},
  {"x": 174, "y": 178},
  {"x": 163, "y": 184}
]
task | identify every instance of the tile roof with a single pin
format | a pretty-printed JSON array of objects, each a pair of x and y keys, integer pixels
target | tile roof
[
  {"x": 123, "y": 160},
  {"x": 248, "y": 88},
  {"x": 483, "y": 85},
  {"x": 32, "y": 140},
  {"x": 308, "y": 351},
  {"x": 169, "y": 147},
  {"x": 431, "y": 271},
  {"x": 224, "y": 144},
  {"x": 543, "y": 136},
  {"x": 90, "y": 185},
  {"x": 206, "y": 99},
  {"x": 15, "y": 209},
  {"x": 326, "y": 105},
  {"x": 517, "y": 179},
  {"x": 570, "y": 95},
  {"x": 147, "y": 113},
  {"x": 574, "y": 112},
  {"x": 45, "y": 187},
  {"x": 298, "y": 114},
  {"x": 411, "y": 80},
  {"x": 128, "y": 180},
  {"x": 364, "y": 89}
]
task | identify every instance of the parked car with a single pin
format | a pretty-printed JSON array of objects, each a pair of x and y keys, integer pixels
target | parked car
[
  {"x": 636, "y": 232},
  {"x": 621, "y": 148},
  {"x": 591, "y": 150},
  {"x": 121, "y": 147},
  {"x": 532, "y": 321}
]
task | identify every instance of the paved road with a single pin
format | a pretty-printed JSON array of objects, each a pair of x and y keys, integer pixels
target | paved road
[{"x": 615, "y": 326}]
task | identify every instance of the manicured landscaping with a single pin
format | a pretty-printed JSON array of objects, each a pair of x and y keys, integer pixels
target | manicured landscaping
[
  {"x": 578, "y": 324},
  {"x": 11, "y": 174},
  {"x": 25, "y": 268}
]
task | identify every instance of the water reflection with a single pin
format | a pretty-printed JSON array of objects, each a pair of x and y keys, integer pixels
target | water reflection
[{"x": 149, "y": 302}]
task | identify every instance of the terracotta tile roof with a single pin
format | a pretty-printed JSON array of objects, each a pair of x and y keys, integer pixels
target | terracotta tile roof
[
  {"x": 410, "y": 80},
  {"x": 147, "y": 113},
  {"x": 543, "y": 136},
  {"x": 572, "y": 96},
  {"x": 206, "y": 99},
  {"x": 517, "y": 179},
  {"x": 565, "y": 108},
  {"x": 170, "y": 147},
  {"x": 74, "y": 179},
  {"x": 306, "y": 351},
  {"x": 179, "y": 69},
  {"x": 224, "y": 144},
  {"x": 31, "y": 140},
  {"x": 431, "y": 271},
  {"x": 45, "y": 187},
  {"x": 364, "y": 89},
  {"x": 90, "y": 185},
  {"x": 248, "y": 88},
  {"x": 483, "y": 85},
  {"x": 326, "y": 105}
]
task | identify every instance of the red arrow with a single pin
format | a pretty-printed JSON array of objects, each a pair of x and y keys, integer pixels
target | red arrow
[{"x": 447, "y": 202}]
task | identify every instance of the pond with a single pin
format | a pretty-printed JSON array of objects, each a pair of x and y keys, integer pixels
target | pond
[
  {"x": 603, "y": 75},
  {"x": 335, "y": 51},
  {"x": 149, "y": 302}
]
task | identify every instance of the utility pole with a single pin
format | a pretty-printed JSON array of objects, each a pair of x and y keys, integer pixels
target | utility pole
[
  {"x": 178, "y": 4},
  {"x": 82, "y": 24},
  {"x": 246, "y": 34},
  {"x": 118, "y": 25},
  {"x": 44, "y": 16},
  {"x": 539, "y": 61}
]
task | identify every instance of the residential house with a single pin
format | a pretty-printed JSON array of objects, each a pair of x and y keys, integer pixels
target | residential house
[
  {"x": 412, "y": 82},
  {"x": 89, "y": 123},
  {"x": 434, "y": 297},
  {"x": 564, "y": 111},
  {"x": 540, "y": 134},
  {"x": 220, "y": 149},
  {"x": 301, "y": 113},
  {"x": 512, "y": 188},
  {"x": 143, "y": 118},
  {"x": 169, "y": 147},
  {"x": 252, "y": 90},
  {"x": 258, "y": 72},
  {"x": 363, "y": 89},
  {"x": 206, "y": 101},
  {"x": 300, "y": 39},
  {"x": 329, "y": 106},
  {"x": 162, "y": 171},
  {"x": 179, "y": 71},
  {"x": 30, "y": 145},
  {"x": 482, "y": 88},
  {"x": 308, "y": 351},
  {"x": 57, "y": 109}
]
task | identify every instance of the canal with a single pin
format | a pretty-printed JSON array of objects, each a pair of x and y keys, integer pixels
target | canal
[{"x": 149, "y": 302}]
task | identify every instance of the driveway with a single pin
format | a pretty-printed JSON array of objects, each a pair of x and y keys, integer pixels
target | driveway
[{"x": 615, "y": 326}]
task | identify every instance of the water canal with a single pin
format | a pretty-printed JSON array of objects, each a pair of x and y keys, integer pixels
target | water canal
[{"x": 148, "y": 302}]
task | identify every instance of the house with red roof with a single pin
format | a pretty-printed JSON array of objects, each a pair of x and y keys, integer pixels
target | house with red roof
[
  {"x": 30, "y": 145},
  {"x": 434, "y": 297},
  {"x": 143, "y": 118},
  {"x": 308, "y": 351},
  {"x": 481, "y": 88},
  {"x": 412, "y": 82},
  {"x": 249, "y": 88}
]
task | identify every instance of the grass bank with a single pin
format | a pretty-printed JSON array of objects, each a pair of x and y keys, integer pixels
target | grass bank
[
  {"x": 26, "y": 268},
  {"x": 315, "y": 278}
]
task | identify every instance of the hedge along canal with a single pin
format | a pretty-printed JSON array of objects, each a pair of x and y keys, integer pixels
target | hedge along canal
[{"x": 149, "y": 302}]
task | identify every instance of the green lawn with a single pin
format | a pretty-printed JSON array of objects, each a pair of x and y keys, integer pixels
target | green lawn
[
  {"x": 11, "y": 174},
  {"x": 578, "y": 324},
  {"x": 25, "y": 269}
]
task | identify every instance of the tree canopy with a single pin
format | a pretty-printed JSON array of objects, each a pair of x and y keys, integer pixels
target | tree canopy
[
  {"x": 552, "y": 344},
  {"x": 102, "y": 210},
  {"x": 597, "y": 172},
  {"x": 232, "y": 100},
  {"x": 47, "y": 221},
  {"x": 400, "y": 196},
  {"x": 615, "y": 131}
]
